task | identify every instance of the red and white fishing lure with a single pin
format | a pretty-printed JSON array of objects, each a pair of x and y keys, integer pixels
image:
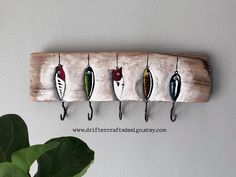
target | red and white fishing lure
[
  {"x": 60, "y": 79},
  {"x": 60, "y": 82}
]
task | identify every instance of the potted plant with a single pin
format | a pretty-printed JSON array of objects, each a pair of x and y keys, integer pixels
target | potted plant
[{"x": 58, "y": 157}]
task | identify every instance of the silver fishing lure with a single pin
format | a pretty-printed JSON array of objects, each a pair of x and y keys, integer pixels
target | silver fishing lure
[
  {"x": 118, "y": 84},
  {"x": 174, "y": 89}
]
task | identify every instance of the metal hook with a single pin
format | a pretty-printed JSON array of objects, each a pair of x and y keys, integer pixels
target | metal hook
[
  {"x": 176, "y": 67},
  {"x": 65, "y": 112},
  {"x": 88, "y": 59},
  {"x": 90, "y": 116},
  {"x": 147, "y": 59},
  {"x": 117, "y": 56},
  {"x": 146, "y": 112},
  {"x": 173, "y": 117},
  {"x": 120, "y": 111},
  {"x": 59, "y": 58}
]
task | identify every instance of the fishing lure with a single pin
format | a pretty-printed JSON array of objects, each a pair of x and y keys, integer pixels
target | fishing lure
[
  {"x": 60, "y": 82},
  {"x": 147, "y": 86},
  {"x": 89, "y": 82},
  {"x": 174, "y": 89},
  {"x": 118, "y": 84}
]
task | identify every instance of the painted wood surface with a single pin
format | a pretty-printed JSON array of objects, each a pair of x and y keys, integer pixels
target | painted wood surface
[{"x": 194, "y": 71}]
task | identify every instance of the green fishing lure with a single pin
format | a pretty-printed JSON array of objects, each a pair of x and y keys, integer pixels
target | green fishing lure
[{"x": 89, "y": 81}]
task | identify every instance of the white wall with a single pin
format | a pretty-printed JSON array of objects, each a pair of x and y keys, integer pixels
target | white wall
[{"x": 201, "y": 143}]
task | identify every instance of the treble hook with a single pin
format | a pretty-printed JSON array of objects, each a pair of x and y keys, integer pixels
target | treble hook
[
  {"x": 90, "y": 117},
  {"x": 173, "y": 117},
  {"x": 120, "y": 111},
  {"x": 65, "y": 112},
  {"x": 146, "y": 112}
]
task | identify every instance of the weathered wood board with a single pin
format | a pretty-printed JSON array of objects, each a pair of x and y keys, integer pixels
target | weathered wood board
[{"x": 194, "y": 71}]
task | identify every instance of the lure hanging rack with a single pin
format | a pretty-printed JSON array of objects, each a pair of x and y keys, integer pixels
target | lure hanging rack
[
  {"x": 193, "y": 83},
  {"x": 174, "y": 89},
  {"x": 118, "y": 84},
  {"x": 60, "y": 82}
]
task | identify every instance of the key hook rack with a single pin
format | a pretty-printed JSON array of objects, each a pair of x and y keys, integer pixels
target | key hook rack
[{"x": 135, "y": 76}]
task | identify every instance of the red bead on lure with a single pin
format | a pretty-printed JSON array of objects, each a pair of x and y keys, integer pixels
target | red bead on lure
[
  {"x": 117, "y": 77},
  {"x": 117, "y": 74}
]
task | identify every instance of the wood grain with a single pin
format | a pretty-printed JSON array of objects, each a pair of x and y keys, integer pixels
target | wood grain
[{"x": 194, "y": 71}]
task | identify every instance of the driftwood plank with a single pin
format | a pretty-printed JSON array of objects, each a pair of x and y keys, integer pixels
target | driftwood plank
[{"x": 194, "y": 71}]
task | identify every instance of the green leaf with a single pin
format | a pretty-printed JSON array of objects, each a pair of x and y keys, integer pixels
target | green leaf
[
  {"x": 13, "y": 136},
  {"x": 24, "y": 158},
  {"x": 8, "y": 169},
  {"x": 71, "y": 157},
  {"x": 82, "y": 173}
]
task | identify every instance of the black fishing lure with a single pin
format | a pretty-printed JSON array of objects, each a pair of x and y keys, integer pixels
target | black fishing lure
[
  {"x": 89, "y": 82},
  {"x": 175, "y": 86},
  {"x": 174, "y": 90}
]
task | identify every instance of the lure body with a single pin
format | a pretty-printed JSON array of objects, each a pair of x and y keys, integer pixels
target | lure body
[
  {"x": 89, "y": 81},
  {"x": 60, "y": 80},
  {"x": 175, "y": 86},
  {"x": 147, "y": 83},
  {"x": 118, "y": 82}
]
